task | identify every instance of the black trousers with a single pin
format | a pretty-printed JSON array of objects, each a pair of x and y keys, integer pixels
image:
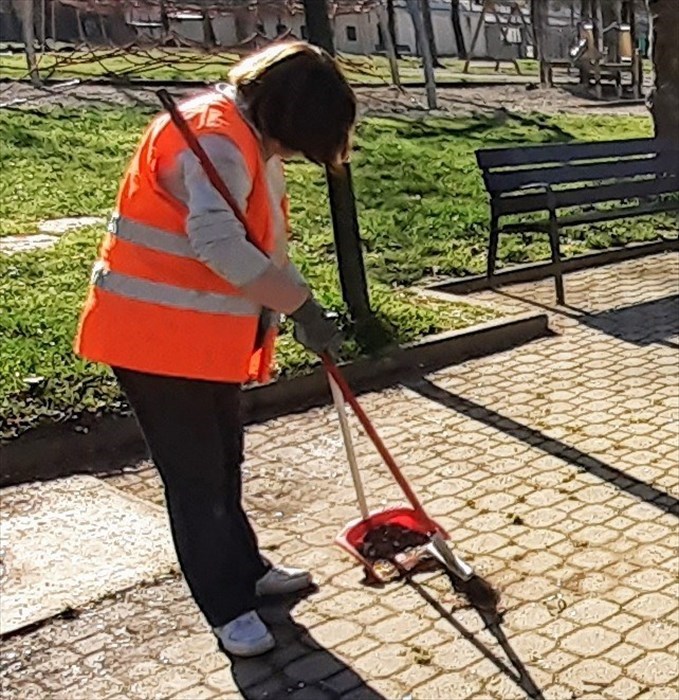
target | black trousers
[{"x": 194, "y": 432}]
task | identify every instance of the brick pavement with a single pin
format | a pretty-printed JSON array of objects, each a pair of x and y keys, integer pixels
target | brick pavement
[{"x": 555, "y": 466}]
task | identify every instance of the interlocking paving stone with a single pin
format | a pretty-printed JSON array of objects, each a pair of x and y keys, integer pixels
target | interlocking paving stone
[{"x": 554, "y": 466}]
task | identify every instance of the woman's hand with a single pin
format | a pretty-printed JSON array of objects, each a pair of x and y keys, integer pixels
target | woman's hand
[{"x": 316, "y": 329}]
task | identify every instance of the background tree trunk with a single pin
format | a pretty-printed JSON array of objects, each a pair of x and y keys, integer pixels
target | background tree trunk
[
  {"x": 25, "y": 11},
  {"x": 391, "y": 22},
  {"x": 538, "y": 20},
  {"x": 318, "y": 27},
  {"x": 164, "y": 19},
  {"x": 457, "y": 29},
  {"x": 209, "y": 38},
  {"x": 429, "y": 30},
  {"x": 243, "y": 21},
  {"x": 664, "y": 99},
  {"x": 389, "y": 46},
  {"x": 415, "y": 10},
  {"x": 341, "y": 194}
]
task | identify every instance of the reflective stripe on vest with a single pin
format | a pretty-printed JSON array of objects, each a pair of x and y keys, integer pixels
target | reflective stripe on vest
[
  {"x": 169, "y": 295},
  {"x": 151, "y": 237},
  {"x": 152, "y": 292}
]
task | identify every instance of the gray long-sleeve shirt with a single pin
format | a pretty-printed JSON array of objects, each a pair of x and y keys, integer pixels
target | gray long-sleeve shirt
[{"x": 213, "y": 229}]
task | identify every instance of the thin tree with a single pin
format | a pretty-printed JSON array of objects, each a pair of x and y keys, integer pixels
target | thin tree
[
  {"x": 164, "y": 19},
  {"x": 318, "y": 25},
  {"x": 457, "y": 29},
  {"x": 209, "y": 37},
  {"x": 415, "y": 10},
  {"x": 538, "y": 19},
  {"x": 390, "y": 47},
  {"x": 25, "y": 11},
  {"x": 425, "y": 7},
  {"x": 341, "y": 194},
  {"x": 391, "y": 23}
]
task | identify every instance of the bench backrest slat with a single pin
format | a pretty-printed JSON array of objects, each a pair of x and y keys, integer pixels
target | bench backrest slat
[
  {"x": 512, "y": 180},
  {"x": 489, "y": 158},
  {"x": 537, "y": 201}
]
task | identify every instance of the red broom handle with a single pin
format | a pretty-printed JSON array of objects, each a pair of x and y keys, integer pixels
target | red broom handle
[
  {"x": 207, "y": 165},
  {"x": 350, "y": 398}
]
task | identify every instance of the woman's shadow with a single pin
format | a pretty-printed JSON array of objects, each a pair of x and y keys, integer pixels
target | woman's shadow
[{"x": 299, "y": 667}]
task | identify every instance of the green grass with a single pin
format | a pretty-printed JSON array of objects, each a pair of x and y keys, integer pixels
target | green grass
[
  {"x": 183, "y": 64},
  {"x": 42, "y": 292},
  {"x": 422, "y": 206}
]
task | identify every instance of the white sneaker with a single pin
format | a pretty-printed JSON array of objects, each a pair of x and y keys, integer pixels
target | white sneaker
[
  {"x": 280, "y": 580},
  {"x": 247, "y": 635}
]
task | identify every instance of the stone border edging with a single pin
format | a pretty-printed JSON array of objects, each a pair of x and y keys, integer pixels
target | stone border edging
[
  {"x": 535, "y": 272},
  {"x": 58, "y": 450}
]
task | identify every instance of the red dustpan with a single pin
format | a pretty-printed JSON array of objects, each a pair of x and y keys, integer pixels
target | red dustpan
[{"x": 414, "y": 519}]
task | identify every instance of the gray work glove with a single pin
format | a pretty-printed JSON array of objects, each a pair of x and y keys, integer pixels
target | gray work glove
[{"x": 316, "y": 329}]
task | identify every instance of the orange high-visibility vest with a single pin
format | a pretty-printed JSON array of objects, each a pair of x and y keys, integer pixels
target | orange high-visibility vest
[{"x": 153, "y": 306}]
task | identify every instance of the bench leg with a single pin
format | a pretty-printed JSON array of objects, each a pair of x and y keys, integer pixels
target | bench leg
[
  {"x": 492, "y": 247},
  {"x": 556, "y": 258}
]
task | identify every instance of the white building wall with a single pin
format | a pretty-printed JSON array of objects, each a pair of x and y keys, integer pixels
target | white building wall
[
  {"x": 363, "y": 27},
  {"x": 189, "y": 29},
  {"x": 225, "y": 30},
  {"x": 366, "y": 26},
  {"x": 443, "y": 28},
  {"x": 443, "y": 32}
]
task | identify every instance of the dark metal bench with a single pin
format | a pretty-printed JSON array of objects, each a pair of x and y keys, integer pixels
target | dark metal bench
[{"x": 629, "y": 178}]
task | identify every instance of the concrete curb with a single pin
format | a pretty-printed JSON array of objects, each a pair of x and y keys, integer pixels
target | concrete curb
[
  {"x": 540, "y": 271},
  {"x": 58, "y": 450}
]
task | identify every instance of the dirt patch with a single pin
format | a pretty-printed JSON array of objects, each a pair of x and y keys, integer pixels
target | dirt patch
[
  {"x": 385, "y": 542},
  {"x": 453, "y": 101}
]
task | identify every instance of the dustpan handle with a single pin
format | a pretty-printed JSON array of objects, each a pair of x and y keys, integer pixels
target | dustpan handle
[
  {"x": 340, "y": 406},
  {"x": 336, "y": 375}
]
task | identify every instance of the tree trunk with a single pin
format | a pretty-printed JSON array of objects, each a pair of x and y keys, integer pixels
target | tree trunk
[
  {"x": 665, "y": 96},
  {"x": 318, "y": 27},
  {"x": 391, "y": 22},
  {"x": 346, "y": 232},
  {"x": 53, "y": 20},
  {"x": 389, "y": 46},
  {"x": 243, "y": 22},
  {"x": 164, "y": 20},
  {"x": 209, "y": 38},
  {"x": 43, "y": 25},
  {"x": 25, "y": 11},
  {"x": 538, "y": 20},
  {"x": 457, "y": 29},
  {"x": 429, "y": 30},
  {"x": 415, "y": 10}
]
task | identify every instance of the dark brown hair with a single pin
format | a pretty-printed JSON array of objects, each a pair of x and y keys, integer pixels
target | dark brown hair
[{"x": 297, "y": 94}]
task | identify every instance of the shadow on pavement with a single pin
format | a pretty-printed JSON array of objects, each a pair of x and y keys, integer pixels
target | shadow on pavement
[
  {"x": 618, "y": 478},
  {"x": 485, "y": 599},
  {"x": 642, "y": 324},
  {"x": 299, "y": 667}
]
